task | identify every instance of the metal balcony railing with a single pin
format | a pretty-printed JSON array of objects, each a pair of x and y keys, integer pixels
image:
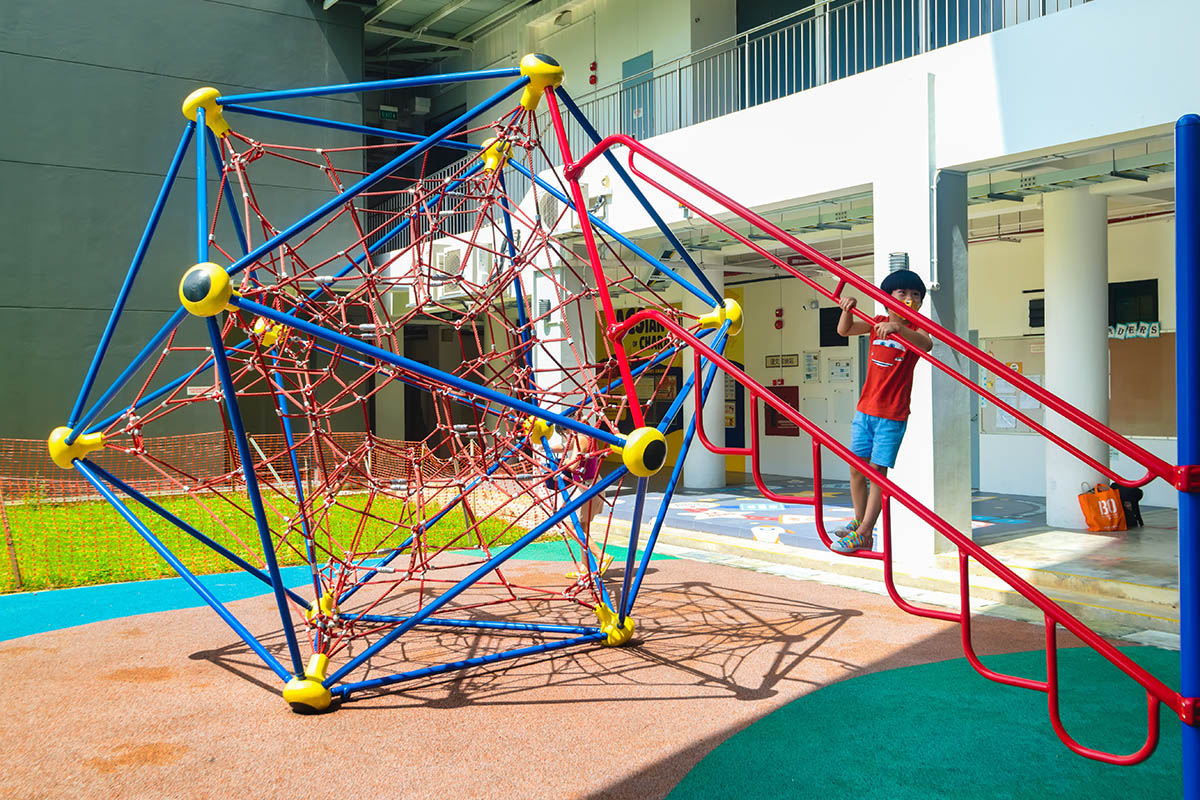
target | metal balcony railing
[{"x": 830, "y": 40}]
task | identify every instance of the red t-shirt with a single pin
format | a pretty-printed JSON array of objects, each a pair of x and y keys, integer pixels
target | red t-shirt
[{"x": 888, "y": 388}]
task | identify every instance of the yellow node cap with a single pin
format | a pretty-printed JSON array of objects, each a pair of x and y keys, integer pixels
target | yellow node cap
[
  {"x": 733, "y": 313},
  {"x": 538, "y": 429},
  {"x": 731, "y": 310},
  {"x": 206, "y": 98},
  {"x": 65, "y": 454},
  {"x": 542, "y": 71},
  {"x": 645, "y": 452},
  {"x": 306, "y": 695},
  {"x": 326, "y": 605},
  {"x": 267, "y": 333},
  {"x": 494, "y": 154},
  {"x": 617, "y": 635},
  {"x": 205, "y": 290}
]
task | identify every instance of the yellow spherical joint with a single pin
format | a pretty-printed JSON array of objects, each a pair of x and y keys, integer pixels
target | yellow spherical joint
[
  {"x": 206, "y": 98},
  {"x": 308, "y": 695},
  {"x": 538, "y": 429},
  {"x": 733, "y": 313},
  {"x": 618, "y": 635},
  {"x": 645, "y": 452},
  {"x": 731, "y": 310},
  {"x": 266, "y": 331},
  {"x": 64, "y": 454},
  {"x": 327, "y": 605},
  {"x": 205, "y": 290},
  {"x": 542, "y": 71},
  {"x": 494, "y": 154}
]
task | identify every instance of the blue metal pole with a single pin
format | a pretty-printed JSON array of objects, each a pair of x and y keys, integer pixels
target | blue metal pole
[
  {"x": 201, "y": 195},
  {"x": 246, "y": 566},
  {"x": 639, "y": 504},
  {"x": 365, "y": 130},
  {"x": 518, "y": 288},
  {"x": 691, "y": 288},
  {"x": 219, "y": 161},
  {"x": 1187, "y": 337},
  {"x": 344, "y": 691},
  {"x": 716, "y": 296},
  {"x": 260, "y": 514},
  {"x": 669, "y": 492},
  {"x": 138, "y": 256},
  {"x": 375, "y": 177},
  {"x": 150, "y": 349},
  {"x": 491, "y": 564},
  {"x": 372, "y": 86},
  {"x": 291, "y": 445},
  {"x": 446, "y": 378},
  {"x": 86, "y": 468}
]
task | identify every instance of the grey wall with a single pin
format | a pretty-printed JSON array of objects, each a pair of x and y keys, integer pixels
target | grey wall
[{"x": 91, "y": 94}]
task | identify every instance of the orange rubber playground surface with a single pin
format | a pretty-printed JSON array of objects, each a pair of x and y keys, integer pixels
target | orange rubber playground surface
[{"x": 173, "y": 704}]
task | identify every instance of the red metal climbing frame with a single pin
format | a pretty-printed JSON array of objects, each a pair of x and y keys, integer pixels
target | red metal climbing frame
[{"x": 1156, "y": 691}]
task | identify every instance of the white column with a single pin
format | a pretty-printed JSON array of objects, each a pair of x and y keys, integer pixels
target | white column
[
  {"x": 702, "y": 469},
  {"x": 937, "y": 442},
  {"x": 1076, "y": 281}
]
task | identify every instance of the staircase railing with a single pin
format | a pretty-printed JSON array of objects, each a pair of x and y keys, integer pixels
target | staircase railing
[{"x": 1054, "y": 616}]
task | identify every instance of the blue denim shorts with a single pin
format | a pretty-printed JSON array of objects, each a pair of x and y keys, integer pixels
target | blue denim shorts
[{"x": 876, "y": 439}]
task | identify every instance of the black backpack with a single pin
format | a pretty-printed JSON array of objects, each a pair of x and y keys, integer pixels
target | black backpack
[{"x": 1130, "y": 496}]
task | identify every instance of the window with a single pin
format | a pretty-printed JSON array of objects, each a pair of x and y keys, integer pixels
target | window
[
  {"x": 829, "y": 334},
  {"x": 1037, "y": 313},
  {"x": 1133, "y": 301}
]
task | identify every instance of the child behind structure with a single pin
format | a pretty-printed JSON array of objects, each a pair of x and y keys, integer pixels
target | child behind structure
[{"x": 883, "y": 406}]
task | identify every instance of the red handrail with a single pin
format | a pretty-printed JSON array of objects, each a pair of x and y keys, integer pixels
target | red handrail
[
  {"x": 1156, "y": 467},
  {"x": 1156, "y": 690}
]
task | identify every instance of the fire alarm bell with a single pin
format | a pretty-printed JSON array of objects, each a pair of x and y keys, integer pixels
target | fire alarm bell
[
  {"x": 592, "y": 79},
  {"x": 778, "y": 324}
]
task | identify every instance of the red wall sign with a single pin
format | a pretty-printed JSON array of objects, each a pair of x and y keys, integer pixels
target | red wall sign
[{"x": 776, "y": 424}]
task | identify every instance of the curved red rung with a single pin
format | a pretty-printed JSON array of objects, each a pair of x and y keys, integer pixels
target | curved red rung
[
  {"x": 964, "y": 592},
  {"x": 889, "y": 580},
  {"x": 698, "y": 416},
  {"x": 756, "y": 465},
  {"x": 1136, "y": 757}
]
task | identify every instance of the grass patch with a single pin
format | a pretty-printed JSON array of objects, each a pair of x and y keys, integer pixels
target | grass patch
[{"x": 61, "y": 544}]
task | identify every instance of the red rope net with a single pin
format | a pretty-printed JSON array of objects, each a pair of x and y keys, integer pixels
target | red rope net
[{"x": 513, "y": 307}]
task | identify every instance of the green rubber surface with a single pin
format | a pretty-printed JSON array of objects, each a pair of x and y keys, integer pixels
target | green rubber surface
[{"x": 941, "y": 730}]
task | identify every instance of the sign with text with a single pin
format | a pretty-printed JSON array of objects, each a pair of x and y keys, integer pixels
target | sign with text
[{"x": 776, "y": 424}]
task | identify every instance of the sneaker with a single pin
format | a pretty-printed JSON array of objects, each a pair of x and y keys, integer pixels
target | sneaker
[
  {"x": 847, "y": 529},
  {"x": 853, "y": 541}
]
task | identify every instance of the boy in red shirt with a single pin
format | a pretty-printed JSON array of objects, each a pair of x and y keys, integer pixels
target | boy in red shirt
[{"x": 882, "y": 414}]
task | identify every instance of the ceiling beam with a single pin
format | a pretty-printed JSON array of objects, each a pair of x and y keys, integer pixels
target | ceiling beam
[
  {"x": 403, "y": 33},
  {"x": 407, "y": 55},
  {"x": 380, "y": 10},
  {"x": 493, "y": 18},
  {"x": 446, "y": 10}
]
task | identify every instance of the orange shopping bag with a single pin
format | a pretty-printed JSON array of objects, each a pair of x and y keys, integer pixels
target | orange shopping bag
[{"x": 1102, "y": 509}]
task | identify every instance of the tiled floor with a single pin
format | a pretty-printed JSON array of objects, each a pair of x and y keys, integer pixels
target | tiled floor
[{"x": 1012, "y": 527}]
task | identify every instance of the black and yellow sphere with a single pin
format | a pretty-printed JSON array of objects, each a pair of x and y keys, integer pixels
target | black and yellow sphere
[
  {"x": 542, "y": 71},
  {"x": 205, "y": 290},
  {"x": 645, "y": 452}
]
